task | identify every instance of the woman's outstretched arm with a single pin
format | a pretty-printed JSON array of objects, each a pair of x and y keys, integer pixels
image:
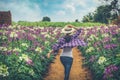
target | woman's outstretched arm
[
  {"x": 56, "y": 47},
  {"x": 48, "y": 55},
  {"x": 78, "y": 31}
]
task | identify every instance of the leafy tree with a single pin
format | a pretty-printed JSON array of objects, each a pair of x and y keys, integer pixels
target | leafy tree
[
  {"x": 85, "y": 19},
  {"x": 76, "y": 20},
  {"x": 108, "y": 11},
  {"x": 115, "y": 7},
  {"x": 88, "y": 18},
  {"x": 46, "y": 19},
  {"x": 102, "y": 14}
]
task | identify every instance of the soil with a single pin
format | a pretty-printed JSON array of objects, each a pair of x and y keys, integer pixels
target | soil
[{"x": 78, "y": 71}]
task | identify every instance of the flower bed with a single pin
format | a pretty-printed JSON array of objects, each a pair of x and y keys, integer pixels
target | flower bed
[
  {"x": 23, "y": 51},
  {"x": 102, "y": 55}
]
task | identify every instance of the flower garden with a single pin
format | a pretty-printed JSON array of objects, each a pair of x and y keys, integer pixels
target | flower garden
[
  {"x": 23, "y": 51},
  {"x": 102, "y": 55}
]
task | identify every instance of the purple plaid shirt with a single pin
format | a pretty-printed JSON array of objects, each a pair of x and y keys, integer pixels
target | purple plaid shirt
[{"x": 73, "y": 43}]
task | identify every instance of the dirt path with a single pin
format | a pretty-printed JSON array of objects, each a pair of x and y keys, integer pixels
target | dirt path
[{"x": 56, "y": 71}]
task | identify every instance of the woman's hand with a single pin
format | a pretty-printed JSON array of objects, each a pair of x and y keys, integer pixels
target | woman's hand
[
  {"x": 48, "y": 55},
  {"x": 70, "y": 26}
]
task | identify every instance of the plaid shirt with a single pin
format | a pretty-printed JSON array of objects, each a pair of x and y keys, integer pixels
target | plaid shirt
[{"x": 75, "y": 41}]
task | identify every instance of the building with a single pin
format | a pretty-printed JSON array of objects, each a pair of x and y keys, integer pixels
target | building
[{"x": 5, "y": 17}]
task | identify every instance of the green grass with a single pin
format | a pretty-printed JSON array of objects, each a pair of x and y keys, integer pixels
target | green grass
[{"x": 57, "y": 24}]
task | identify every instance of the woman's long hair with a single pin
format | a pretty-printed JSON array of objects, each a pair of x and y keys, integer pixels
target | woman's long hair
[{"x": 67, "y": 38}]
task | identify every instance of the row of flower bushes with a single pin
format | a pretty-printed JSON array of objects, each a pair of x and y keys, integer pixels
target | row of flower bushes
[
  {"x": 23, "y": 51},
  {"x": 102, "y": 55}
]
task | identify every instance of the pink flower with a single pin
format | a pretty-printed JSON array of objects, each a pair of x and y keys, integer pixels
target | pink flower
[
  {"x": 106, "y": 39},
  {"x": 92, "y": 58},
  {"x": 110, "y": 46},
  {"x": 96, "y": 43},
  {"x": 30, "y": 37},
  {"x": 108, "y": 72},
  {"x": 29, "y": 61}
]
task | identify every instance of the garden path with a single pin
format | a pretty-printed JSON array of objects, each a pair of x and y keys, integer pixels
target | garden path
[{"x": 78, "y": 72}]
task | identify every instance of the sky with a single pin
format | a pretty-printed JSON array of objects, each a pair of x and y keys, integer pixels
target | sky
[{"x": 57, "y": 10}]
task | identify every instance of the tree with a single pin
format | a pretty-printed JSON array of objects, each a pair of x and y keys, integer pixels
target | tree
[
  {"x": 108, "y": 11},
  {"x": 102, "y": 14},
  {"x": 88, "y": 18},
  {"x": 76, "y": 20},
  {"x": 85, "y": 19},
  {"x": 115, "y": 7},
  {"x": 46, "y": 19}
]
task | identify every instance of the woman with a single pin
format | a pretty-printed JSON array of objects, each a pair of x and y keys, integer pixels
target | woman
[{"x": 66, "y": 43}]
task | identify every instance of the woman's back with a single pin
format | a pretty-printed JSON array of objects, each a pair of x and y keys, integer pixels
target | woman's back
[{"x": 67, "y": 52}]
